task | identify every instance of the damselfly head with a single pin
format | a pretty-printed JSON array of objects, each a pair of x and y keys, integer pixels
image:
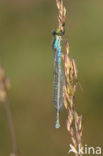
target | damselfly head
[{"x": 53, "y": 32}]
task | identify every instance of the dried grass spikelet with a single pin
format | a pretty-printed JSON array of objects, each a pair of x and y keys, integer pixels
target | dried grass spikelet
[
  {"x": 62, "y": 15},
  {"x": 78, "y": 127},
  {"x": 70, "y": 71},
  {"x": 4, "y": 85},
  {"x": 74, "y": 122},
  {"x": 69, "y": 120},
  {"x": 70, "y": 127}
]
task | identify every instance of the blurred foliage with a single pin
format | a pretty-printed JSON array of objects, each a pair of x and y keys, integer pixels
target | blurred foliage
[{"x": 26, "y": 55}]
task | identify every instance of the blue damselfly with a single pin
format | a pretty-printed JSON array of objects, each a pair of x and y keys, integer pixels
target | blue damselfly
[{"x": 58, "y": 78}]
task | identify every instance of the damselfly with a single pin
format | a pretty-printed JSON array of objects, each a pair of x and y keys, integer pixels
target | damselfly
[{"x": 58, "y": 79}]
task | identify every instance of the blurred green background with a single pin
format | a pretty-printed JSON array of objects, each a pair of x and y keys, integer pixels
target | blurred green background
[{"x": 26, "y": 55}]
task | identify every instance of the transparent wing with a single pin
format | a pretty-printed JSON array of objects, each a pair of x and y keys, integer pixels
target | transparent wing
[{"x": 55, "y": 82}]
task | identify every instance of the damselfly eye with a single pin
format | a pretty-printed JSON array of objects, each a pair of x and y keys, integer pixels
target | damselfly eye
[{"x": 53, "y": 32}]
